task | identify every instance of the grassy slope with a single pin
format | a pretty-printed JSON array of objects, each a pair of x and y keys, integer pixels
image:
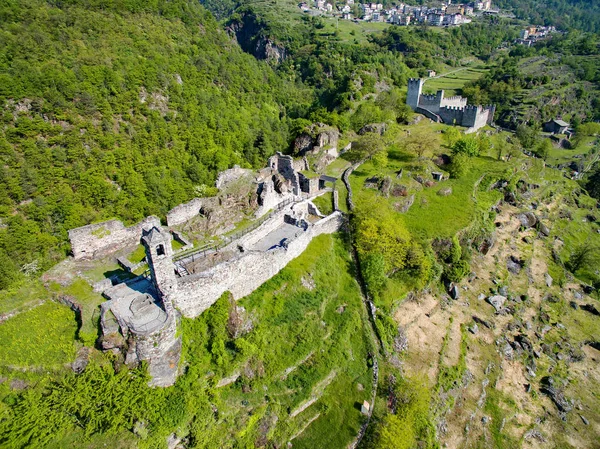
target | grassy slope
[
  {"x": 293, "y": 322},
  {"x": 318, "y": 329},
  {"x": 453, "y": 81},
  {"x": 444, "y": 329}
]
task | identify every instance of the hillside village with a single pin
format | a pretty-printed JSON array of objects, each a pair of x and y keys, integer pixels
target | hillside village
[{"x": 443, "y": 15}]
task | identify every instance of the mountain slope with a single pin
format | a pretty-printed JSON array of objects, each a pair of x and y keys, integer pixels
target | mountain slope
[{"x": 121, "y": 109}]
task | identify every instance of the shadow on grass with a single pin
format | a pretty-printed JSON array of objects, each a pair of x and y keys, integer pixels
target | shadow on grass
[
  {"x": 118, "y": 275},
  {"x": 395, "y": 154}
]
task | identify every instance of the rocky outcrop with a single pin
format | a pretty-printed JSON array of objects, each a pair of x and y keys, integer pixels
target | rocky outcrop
[
  {"x": 317, "y": 135},
  {"x": 318, "y": 143},
  {"x": 252, "y": 35},
  {"x": 497, "y": 301},
  {"x": 378, "y": 128}
]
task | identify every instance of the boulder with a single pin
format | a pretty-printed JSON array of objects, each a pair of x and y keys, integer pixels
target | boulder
[
  {"x": 378, "y": 128},
  {"x": 454, "y": 291},
  {"x": 591, "y": 309},
  {"x": 510, "y": 198},
  {"x": 514, "y": 265},
  {"x": 548, "y": 280},
  {"x": 406, "y": 205},
  {"x": 544, "y": 230},
  {"x": 550, "y": 388},
  {"x": 482, "y": 322},
  {"x": 528, "y": 219},
  {"x": 497, "y": 301},
  {"x": 445, "y": 191}
]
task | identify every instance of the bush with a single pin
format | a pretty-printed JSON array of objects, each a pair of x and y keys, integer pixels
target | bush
[
  {"x": 467, "y": 145},
  {"x": 460, "y": 166}
]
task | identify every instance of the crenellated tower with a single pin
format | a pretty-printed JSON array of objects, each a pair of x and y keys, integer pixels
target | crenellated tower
[{"x": 415, "y": 88}]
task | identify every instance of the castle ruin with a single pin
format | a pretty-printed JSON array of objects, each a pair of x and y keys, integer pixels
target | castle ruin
[
  {"x": 140, "y": 316},
  {"x": 451, "y": 110}
]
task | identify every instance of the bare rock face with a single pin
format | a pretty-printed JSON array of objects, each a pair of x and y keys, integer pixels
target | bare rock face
[
  {"x": 454, "y": 291},
  {"x": 229, "y": 176},
  {"x": 303, "y": 143},
  {"x": 317, "y": 136},
  {"x": 406, "y": 205},
  {"x": 514, "y": 265},
  {"x": 82, "y": 360},
  {"x": 282, "y": 186}
]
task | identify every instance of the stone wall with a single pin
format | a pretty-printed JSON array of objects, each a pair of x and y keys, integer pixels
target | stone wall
[
  {"x": 415, "y": 87},
  {"x": 184, "y": 212},
  {"x": 231, "y": 175},
  {"x": 428, "y": 114},
  {"x": 432, "y": 102},
  {"x": 244, "y": 274},
  {"x": 451, "y": 115},
  {"x": 269, "y": 198},
  {"x": 477, "y": 116},
  {"x": 100, "y": 239},
  {"x": 458, "y": 101}
]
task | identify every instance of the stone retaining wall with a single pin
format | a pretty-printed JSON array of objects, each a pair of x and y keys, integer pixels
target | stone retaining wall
[{"x": 99, "y": 239}]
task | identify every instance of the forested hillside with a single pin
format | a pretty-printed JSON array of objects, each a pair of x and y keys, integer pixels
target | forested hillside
[
  {"x": 121, "y": 109},
  {"x": 580, "y": 14}
]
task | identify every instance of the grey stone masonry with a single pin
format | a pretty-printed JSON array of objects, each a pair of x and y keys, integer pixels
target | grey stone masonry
[
  {"x": 99, "y": 239},
  {"x": 449, "y": 110}
]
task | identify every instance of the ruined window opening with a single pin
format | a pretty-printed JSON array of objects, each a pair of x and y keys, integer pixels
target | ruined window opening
[{"x": 160, "y": 250}]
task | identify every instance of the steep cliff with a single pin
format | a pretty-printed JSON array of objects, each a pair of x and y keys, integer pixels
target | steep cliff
[{"x": 254, "y": 36}]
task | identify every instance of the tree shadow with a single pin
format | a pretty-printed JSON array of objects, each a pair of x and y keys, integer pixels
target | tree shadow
[{"x": 399, "y": 155}]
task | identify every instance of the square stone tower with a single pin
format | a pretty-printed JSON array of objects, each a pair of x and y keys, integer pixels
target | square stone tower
[
  {"x": 415, "y": 88},
  {"x": 159, "y": 254}
]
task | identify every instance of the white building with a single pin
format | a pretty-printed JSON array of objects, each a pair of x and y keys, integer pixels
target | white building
[{"x": 435, "y": 19}]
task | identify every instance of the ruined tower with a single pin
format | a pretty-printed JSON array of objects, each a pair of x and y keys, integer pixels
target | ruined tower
[
  {"x": 415, "y": 88},
  {"x": 159, "y": 254}
]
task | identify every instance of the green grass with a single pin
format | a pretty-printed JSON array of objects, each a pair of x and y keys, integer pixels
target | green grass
[
  {"x": 292, "y": 322},
  {"x": 324, "y": 203},
  {"x": 41, "y": 337},
  {"x": 337, "y": 167},
  {"x": 90, "y": 311},
  {"x": 454, "y": 81},
  {"x": 137, "y": 255},
  {"x": 430, "y": 210},
  {"x": 22, "y": 297},
  {"x": 103, "y": 270},
  {"x": 348, "y": 31},
  {"x": 176, "y": 244},
  {"x": 561, "y": 155}
]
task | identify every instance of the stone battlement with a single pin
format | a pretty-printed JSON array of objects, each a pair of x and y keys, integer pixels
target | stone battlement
[{"x": 452, "y": 110}]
